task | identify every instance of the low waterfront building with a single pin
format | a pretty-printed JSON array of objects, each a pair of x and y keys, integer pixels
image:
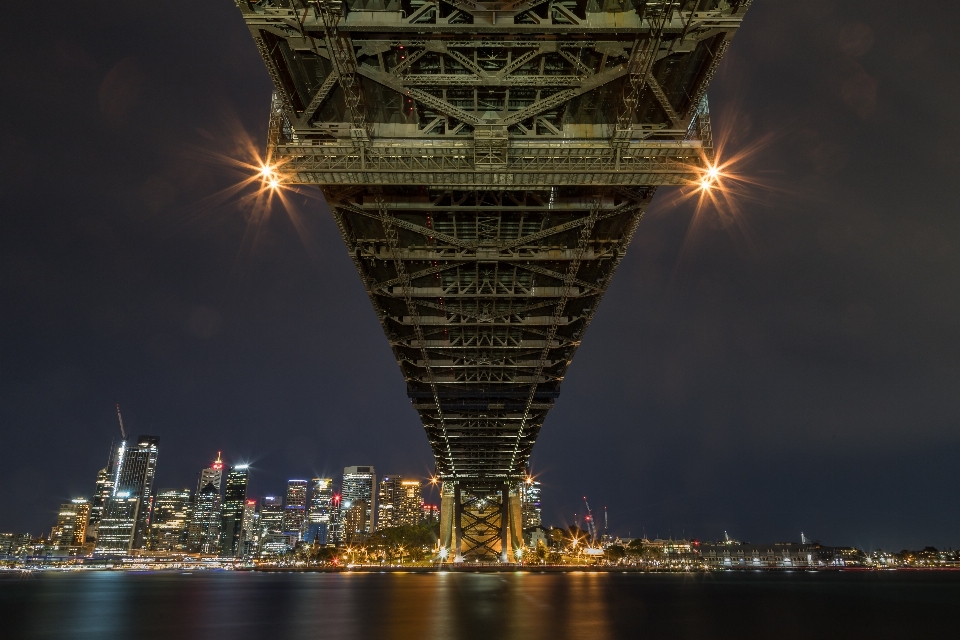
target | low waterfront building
[
  {"x": 431, "y": 513},
  {"x": 745, "y": 554},
  {"x": 16, "y": 545}
]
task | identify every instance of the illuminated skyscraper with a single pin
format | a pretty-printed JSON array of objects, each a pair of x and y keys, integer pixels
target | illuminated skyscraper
[
  {"x": 204, "y": 531},
  {"x": 273, "y": 541},
  {"x": 318, "y": 517},
  {"x": 234, "y": 498},
  {"x": 172, "y": 512},
  {"x": 335, "y": 532},
  {"x": 212, "y": 475},
  {"x": 295, "y": 510},
  {"x": 355, "y": 525},
  {"x": 127, "y": 520},
  {"x": 388, "y": 502},
  {"x": 271, "y": 515},
  {"x": 250, "y": 530},
  {"x": 101, "y": 494},
  {"x": 69, "y": 534},
  {"x": 530, "y": 503},
  {"x": 115, "y": 534},
  {"x": 359, "y": 485},
  {"x": 409, "y": 509}
]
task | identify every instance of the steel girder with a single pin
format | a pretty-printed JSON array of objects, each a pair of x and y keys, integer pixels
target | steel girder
[{"x": 487, "y": 164}]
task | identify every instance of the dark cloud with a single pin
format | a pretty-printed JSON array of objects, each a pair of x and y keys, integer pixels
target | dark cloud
[
  {"x": 120, "y": 89},
  {"x": 793, "y": 366}
]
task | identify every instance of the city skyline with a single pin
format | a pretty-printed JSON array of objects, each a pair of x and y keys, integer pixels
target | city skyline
[{"x": 798, "y": 352}]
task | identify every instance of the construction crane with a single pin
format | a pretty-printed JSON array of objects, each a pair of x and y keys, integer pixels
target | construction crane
[
  {"x": 591, "y": 527},
  {"x": 122, "y": 431}
]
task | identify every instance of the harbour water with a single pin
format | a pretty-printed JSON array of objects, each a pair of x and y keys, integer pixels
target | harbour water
[{"x": 488, "y": 606}]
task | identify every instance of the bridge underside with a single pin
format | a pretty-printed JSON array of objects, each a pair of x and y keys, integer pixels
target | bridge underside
[{"x": 488, "y": 164}]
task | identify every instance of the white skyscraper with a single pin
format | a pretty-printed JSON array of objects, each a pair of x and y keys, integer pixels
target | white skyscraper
[{"x": 359, "y": 484}]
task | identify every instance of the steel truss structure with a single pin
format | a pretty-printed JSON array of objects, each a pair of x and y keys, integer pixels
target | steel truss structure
[{"x": 487, "y": 164}]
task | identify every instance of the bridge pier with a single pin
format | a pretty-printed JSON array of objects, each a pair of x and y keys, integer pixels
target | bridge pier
[{"x": 480, "y": 523}]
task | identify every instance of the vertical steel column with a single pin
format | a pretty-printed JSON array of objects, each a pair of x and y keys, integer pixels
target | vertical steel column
[
  {"x": 457, "y": 523},
  {"x": 504, "y": 520}
]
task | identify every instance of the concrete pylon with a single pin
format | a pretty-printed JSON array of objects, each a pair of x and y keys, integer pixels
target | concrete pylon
[{"x": 448, "y": 509}]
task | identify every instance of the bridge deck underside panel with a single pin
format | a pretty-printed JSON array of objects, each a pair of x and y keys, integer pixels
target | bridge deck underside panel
[
  {"x": 487, "y": 164},
  {"x": 485, "y": 296}
]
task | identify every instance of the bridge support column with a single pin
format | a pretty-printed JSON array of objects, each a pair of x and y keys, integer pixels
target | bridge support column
[
  {"x": 458, "y": 524},
  {"x": 516, "y": 522},
  {"x": 505, "y": 551},
  {"x": 448, "y": 511}
]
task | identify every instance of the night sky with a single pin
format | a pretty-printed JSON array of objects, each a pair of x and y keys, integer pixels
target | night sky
[{"x": 794, "y": 367}]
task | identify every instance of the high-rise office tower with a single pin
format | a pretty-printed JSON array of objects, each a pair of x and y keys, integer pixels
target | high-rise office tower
[
  {"x": 250, "y": 529},
  {"x": 271, "y": 515},
  {"x": 127, "y": 521},
  {"x": 273, "y": 540},
  {"x": 204, "y": 531},
  {"x": 172, "y": 513},
  {"x": 409, "y": 509},
  {"x": 212, "y": 475},
  {"x": 359, "y": 485},
  {"x": 116, "y": 530},
  {"x": 335, "y": 531},
  {"x": 318, "y": 517},
  {"x": 355, "y": 525},
  {"x": 234, "y": 499},
  {"x": 295, "y": 510},
  {"x": 101, "y": 494},
  {"x": 530, "y": 503},
  {"x": 69, "y": 534},
  {"x": 388, "y": 502}
]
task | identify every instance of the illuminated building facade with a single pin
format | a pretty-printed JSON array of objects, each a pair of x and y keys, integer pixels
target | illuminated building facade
[
  {"x": 318, "y": 517},
  {"x": 16, "y": 544},
  {"x": 409, "y": 510},
  {"x": 487, "y": 165},
  {"x": 295, "y": 510},
  {"x": 271, "y": 515},
  {"x": 355, "y": 524},
  {"x": 212, "y": 475},
  {"x": 115, "y": 535},
  {"x": 359, "y": 485},
  {"x": 126, "y": 513},
  {"x": 431, "y": 513},
  {"x": 530, "y": 503},
  {"x": 204, "y": 531},
  {"x": 235, "y": 497},
  {"x": 272, "y": 538},
  {"x": 69, "y": 534},
  {"x": 388, "y": 501},
  {"x": 250, "y": 530},
  {"x": 172, "y": 513},
  {"x": 102, "y": 493},
  {"x": 336, "y": 532}
]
